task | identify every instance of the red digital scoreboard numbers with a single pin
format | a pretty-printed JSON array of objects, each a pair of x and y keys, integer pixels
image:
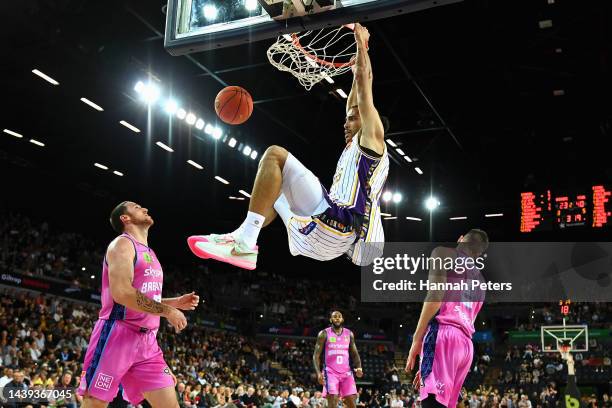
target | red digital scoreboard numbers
[
  {"x": 601, "y": 207},
  {"x": 543, "y": 211},
  {"x": 564, "y": 305}
]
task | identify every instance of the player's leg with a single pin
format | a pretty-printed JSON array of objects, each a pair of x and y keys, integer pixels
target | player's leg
[
  {"x": 464, "y": 350},
  {"x": 331, "y": 389},
  {"x": 278, "y": 171},
  {"x": 332, "y": 401},
  {"x": 430, "y": 402},
  {"x": 108, "y": 357},
  {"x": 91, "y": 402},
  {"x": 444, "y": 370},
  {"x": 269, "y": 180},
  {"x": 348, "y": 390},
  {"x": 350, "y": 401},
  {"x": 151, "y": 378},
  {"x": 162, "y": 398}
]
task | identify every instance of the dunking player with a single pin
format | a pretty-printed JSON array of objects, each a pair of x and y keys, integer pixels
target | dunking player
[
  {"x": 443, "y": 336},
  {"x": 336, "y": 375},
  {"x": 123, "y": 346},
  {"x": 320, "y": 225}
]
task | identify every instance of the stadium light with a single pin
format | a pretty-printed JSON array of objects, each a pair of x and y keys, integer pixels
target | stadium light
[
  {"x": 171, "y": 106},
  {"x": 45, "y": 77},
  {"x": 181, "y": 113},
  {"x": 397, "y": 197},
  {"x": 194, "y": 164},
  {"x": 165, "y": 147},
  {"x": 432, "y": 203},
  {"x": 199, "y": 124},
  {"x": 92, "y": 104},
  {"x": 251, "y": 5},
  {"x": 190, "y": 119},
  {"x": 148, "y": 92},
  {"x": 232, "y": 142},
  {"x": 217, "y": 133},
  {"x": 10, "y": 132},
  {"x": 37, "y": 143},
  {"x": 221, "y": 180},
  {"x": 387, "y": 196},
  {"x": 246, "y": 151},
  {"x": 210, "y": 12}
]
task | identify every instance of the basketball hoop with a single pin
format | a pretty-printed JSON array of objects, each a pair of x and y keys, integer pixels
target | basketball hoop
[
  {"x": 315, "y": 55},
  {"x": 565, "y": 351}
]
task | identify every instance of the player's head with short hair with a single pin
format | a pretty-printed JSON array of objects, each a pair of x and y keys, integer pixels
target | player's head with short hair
[
  {"x": 336, "y": 319},
  {"x": 475, "y": 241},
  {"x": 115, "y": 217},
  {"x": 129, "y": 213}
]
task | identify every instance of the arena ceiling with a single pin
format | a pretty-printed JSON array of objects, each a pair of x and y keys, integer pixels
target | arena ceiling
[{"x": 488, "y": 98}]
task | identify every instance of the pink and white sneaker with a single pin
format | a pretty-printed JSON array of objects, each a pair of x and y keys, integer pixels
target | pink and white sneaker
[{"x": 224, "y": 248}]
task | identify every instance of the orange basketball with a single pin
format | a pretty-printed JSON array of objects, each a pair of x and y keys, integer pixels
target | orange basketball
[{"x": 234, "y": 105}]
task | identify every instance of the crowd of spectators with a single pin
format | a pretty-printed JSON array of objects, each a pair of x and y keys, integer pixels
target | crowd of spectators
[{"x": 43, "y": 340}]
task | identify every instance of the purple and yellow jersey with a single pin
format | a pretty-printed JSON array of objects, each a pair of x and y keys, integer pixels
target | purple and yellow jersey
[
  {"x": 337, "y": 350},
  {"x": 358, "y": 185},
  {"x": 148, "y": 279}
]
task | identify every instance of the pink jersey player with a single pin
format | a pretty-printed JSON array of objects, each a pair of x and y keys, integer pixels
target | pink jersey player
[
  {"x": 338, "y": 346},
  {"x": 446, "y": 349},
  {"x": 122, "y": 338},
  {"x": 123, "y": 348}
]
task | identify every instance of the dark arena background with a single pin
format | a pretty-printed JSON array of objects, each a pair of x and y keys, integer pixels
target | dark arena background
[{"x": 500, "y": 118}]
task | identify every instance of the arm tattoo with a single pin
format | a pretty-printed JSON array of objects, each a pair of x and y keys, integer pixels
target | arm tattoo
[
  {"x": 316, "y": 357},
  {"x": 355, "y": 353},
  {"x": 149, "y": 305}
]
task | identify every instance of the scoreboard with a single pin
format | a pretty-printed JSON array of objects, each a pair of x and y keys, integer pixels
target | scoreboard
[{"x": 547, "y": 211}]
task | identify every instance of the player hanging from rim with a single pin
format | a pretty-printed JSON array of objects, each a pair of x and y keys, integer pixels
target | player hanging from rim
[
  {"x": 320, "y": 225},
  {"x": 443, "y": 336},
  {"x": 336, "y": 375}
]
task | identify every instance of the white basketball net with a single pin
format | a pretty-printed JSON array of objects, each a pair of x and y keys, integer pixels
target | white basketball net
[{"x": 313, "y": 56}]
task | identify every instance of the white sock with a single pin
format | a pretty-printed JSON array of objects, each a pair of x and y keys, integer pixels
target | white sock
[
  {"x": 250, "y": 228},
  {"x": 238, "y": 230}
]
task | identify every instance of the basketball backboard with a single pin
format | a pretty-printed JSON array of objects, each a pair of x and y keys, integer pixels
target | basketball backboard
[
  {"x": 554, "y": 338},
  {"x": 201, "y": 25}
]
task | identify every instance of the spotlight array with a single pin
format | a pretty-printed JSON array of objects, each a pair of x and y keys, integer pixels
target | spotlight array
[{"x": 150, "y": 93}]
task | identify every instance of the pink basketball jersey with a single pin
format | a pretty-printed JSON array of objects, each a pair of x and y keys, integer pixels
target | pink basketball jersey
[
  {"x": 337, "y": 350},
  {"x": 462, "y": 314},
  {"x": 148, "y": 279}
]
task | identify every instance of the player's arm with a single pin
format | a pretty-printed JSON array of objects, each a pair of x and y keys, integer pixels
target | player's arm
[
  {"x": 352, "y": 98},
  {"x": 433, "y": 300},
  {"x": 188, "y": 301},
  {"x": 316, "y": 356},
  {"x": 372, "y": 128},
  {"x": 355, "y": 356},
  {"x": 120, "y": 259},
  {"x": 432, "y": 304}
]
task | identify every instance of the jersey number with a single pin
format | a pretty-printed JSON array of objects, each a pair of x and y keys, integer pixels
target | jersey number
[{"x": 339, "y": 360}]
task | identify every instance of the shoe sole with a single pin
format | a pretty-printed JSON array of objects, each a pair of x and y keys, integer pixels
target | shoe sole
[
  {"x": 200, "y": 253},
  {"x": 192, "y": 240}
]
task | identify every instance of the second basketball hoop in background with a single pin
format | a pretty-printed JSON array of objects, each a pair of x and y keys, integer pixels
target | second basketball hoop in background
[{"x": 234, "y": 105}]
